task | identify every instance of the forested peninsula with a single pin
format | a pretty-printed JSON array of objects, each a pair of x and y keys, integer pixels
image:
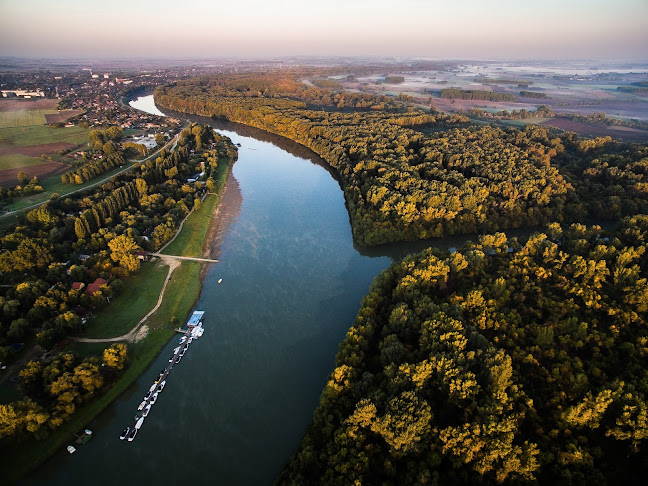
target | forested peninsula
[
  {"x": 500, "y": 363},
  {"x": 409, "y": 174}
]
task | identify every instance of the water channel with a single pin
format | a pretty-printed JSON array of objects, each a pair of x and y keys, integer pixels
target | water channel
[{"x": 235, "y": 408}]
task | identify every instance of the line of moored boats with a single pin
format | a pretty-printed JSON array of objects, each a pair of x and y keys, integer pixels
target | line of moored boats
[{"x": 195, "y": 331}]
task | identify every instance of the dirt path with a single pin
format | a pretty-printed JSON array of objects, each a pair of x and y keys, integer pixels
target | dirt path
[{"x": 138, "y": 331}]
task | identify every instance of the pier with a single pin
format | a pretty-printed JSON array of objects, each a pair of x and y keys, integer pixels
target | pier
[{"x": 194, "y": 330}]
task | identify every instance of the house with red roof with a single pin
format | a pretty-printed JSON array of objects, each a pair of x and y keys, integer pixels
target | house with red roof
[{"x": 93, "y": 288}]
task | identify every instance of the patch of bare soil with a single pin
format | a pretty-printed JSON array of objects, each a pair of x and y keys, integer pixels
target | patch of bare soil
[
  {"x": 62, "y": 116},
  {"x": 20, "y": 104},
  {"x": 9, "y": 177},
  {"x": 37, "y": 150},
  {"x": 587, "y": 130},
  {"x": 141, "y": 333}
]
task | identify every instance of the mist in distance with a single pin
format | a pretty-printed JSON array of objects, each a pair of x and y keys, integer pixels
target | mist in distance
[{"x": 499, "y": 29}]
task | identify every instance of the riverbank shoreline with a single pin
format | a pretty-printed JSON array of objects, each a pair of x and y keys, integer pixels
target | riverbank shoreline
[{"x": 184, "y": 291}]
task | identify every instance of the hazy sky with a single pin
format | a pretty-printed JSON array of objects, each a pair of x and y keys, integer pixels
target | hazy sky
[{"x": 487, "y": 29}]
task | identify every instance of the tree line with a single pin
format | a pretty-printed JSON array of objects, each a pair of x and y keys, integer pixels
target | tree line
[{"x": 475, "y": 94}]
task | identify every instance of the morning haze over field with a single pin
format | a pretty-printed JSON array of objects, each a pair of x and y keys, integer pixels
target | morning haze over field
[
  {"x": 352, "y": 242},
  {"x": 552, "y": 29}
]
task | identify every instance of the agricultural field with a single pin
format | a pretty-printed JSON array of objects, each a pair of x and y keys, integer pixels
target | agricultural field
[
  {"x": 23, "y": 113},
  {"x": 28, "y": 144}
]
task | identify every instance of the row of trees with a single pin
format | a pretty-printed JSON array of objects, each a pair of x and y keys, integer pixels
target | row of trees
[
  {"x": 26, "y": 187},
  {"x": 475, "y": 94},
  {"x": 506, "y": 361}
]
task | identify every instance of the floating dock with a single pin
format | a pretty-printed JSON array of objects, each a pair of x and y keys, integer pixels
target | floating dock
[{"x": 194, "y": 330}]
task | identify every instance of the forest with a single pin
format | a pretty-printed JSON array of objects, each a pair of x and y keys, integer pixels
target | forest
[
  {"x": 504, "y": 362},
  {"x": 409, "y": 174},
  {"x": 90, "y": 236}
]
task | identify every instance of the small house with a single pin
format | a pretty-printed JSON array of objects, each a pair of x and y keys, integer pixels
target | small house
[{"x": 93, "y": 288}]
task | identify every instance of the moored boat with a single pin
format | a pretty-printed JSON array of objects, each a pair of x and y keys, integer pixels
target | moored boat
[{"x": 124, "y": 433}]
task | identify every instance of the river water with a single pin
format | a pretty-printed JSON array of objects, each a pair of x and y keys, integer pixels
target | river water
[{"x": 235, "y": 408}]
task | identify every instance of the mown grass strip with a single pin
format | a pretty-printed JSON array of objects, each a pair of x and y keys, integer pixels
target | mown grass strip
[{"x": 136, "y": 299}]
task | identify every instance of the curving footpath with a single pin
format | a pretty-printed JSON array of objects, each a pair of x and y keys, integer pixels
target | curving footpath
[{"x": 132, "y": 334}]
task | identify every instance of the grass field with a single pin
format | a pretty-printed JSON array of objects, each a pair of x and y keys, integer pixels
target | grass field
[
  {"x": 15, "y": 161},
  {"x": 137, "y": 298},
  {"x": 189, "y": 241},
  {"x": 25, "y": 117},
  {"x": 36, "y": 135}
]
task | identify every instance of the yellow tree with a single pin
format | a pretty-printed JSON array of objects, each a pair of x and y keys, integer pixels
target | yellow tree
[
  {"x": 115, "y": 356},
  {"x": 123, "y": 249}
]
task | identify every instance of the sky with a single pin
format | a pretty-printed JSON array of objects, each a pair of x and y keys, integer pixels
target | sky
[{"x": 435, "y": 29}]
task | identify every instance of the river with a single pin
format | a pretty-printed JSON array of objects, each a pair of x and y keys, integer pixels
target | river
[{"x": 235, "y": 408}]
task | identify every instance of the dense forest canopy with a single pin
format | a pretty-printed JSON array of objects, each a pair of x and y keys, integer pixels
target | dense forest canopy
[
  {"x": 409, "y": 174},
  {"x": 504, "y": 362}
]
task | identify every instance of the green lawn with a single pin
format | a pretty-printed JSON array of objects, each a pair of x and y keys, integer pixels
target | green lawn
[
  {"x": 190, "y": 241},
  {"x": 138, "y": 297},
  {"x": 36, "y": 135},
  {"x": 15, "y": 161},
  {"x": 181, "y": 294},
  {"x": 23, "y": 118}
]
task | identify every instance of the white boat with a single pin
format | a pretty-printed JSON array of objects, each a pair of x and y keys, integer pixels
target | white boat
[
  {"x": 153, "y": 387},
  {"x": 132, "y": 435},
  {"x": 124, "y": 434},
  {"x": 71, "y": 449},
  {"x": 201, "y": 331},
  {"x": 139, "y": 423},
  {"x": 142, "y": 405},
  {"x": 146, "y": 411},
  {"x": 220, "y": 280},
  {"x": 154, "y": 398},
  {"x": 176, "y": 350},
  {"x": 161, "y": 386}
]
